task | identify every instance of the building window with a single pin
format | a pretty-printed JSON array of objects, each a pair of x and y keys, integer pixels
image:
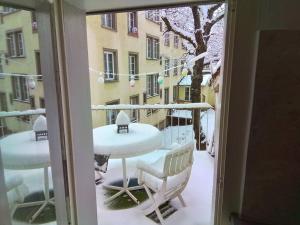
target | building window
[
  {"x": 110, "y": 65},
  {"x": 153, "y": 15},
  {"x": 1, "y": 68},
  {"x": 175, "y": 65},
  {"x": 187, "y": 93},
  {"x": 42, "y": 103},
  {"x": 167, "y": 39},
  {"x": 20, "y": 88},
  {"x": 38, "y": 65},
  {"x": 167, "y": 67},
  {"x": 32, "y": 102},
  {"x": 134, "y": 113},
  {"x": 34, "y": 22},
  {"x": 133, "y": 65},
  {"x": 111, "y": 115},
  {"x": 166, "y": 95},
  {"x": 152, "y": 48},
  {"x": 8, "y": 10},
  {"x": 152, "y": 85},
  {"x": 15, "y": 44},
  {"x": 203, "y": 98},
  {"x": 176, "y": 41},
  {"x": 109, "y": 21},
  {"x": 133, "y": 23},
  {"x": 175, "y": 93}
]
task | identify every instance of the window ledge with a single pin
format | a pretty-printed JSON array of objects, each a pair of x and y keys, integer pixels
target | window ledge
[
  {"x": 152, "y": 96},
  {"x": 110, "y": 81},
  {"x": 22, "y": 101},
  {"x": 109, "y": 28},
  {"x": 132, "y": 34}
]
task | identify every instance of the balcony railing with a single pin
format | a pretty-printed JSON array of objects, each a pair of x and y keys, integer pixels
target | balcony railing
[{"x": 174, "y": 120}]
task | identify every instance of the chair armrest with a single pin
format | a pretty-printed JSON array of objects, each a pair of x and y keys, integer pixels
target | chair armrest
[{"x": 144, "y": 167}]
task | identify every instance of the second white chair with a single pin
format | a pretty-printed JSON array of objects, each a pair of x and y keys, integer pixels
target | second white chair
[{"x": 167, "y": 177}]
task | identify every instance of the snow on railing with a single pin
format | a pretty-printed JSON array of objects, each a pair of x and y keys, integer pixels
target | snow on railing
[
  {"x": 203, "y": 106},
  {"x": 30, "y": 112}
]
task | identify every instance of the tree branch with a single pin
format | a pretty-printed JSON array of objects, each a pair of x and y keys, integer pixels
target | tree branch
[
  {"x": 211, "y": 10},
  {"x": 171, "y": 28},
  {"x": 207, "y": 27}
]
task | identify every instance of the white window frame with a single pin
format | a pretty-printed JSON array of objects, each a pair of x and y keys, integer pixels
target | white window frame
[
  {"x": 133, "y": 64},
  {"x": 167, "y": 39},
  {"x": 20, "y": 88},
  {"x": 108, "y": 20},
  {"x": 187, "y": 97},
  {"x": 152, "y": 86},
  {"x": 167, "y": 67},
  {"x": 152, "y": 47},
  {"x": 109, "y": 75},
  {"x": 132, "y": 22},
  {"x": 15, "y": 44},
  {"x": 134, "y": 113}
]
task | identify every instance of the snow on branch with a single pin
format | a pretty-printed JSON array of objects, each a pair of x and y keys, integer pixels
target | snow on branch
[{"x": 176, "y": 30}]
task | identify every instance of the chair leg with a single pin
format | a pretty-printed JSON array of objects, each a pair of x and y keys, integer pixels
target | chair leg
[
  {"x": 158, "y": 213},
  {"x": 181, "y": 200}
]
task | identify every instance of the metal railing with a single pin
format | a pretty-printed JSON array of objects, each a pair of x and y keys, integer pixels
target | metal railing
[{"x": 174, "y": 120}]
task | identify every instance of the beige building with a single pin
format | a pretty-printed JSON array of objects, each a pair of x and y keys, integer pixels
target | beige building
[{"x": 122, "y": 47}]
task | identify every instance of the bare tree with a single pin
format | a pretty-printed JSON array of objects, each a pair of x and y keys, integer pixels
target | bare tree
[{"x": 195, "y": 25}]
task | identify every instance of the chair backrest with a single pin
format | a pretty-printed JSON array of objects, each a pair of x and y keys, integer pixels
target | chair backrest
[{"x": 179, "y": 159}]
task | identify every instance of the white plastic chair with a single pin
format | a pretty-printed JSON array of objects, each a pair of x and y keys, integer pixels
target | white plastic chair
[{"x": 167, "y": 177}]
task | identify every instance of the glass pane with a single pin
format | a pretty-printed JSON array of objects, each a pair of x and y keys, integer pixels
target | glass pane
[
  {"x": 135, "y": 120},
  {"x": 24, "y": 139}
]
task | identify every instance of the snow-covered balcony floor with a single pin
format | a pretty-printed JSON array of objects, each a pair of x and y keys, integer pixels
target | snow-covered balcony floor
[{"x": 197, "y": 194}]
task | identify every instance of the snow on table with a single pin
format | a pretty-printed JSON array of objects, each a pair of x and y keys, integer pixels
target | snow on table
[
  {"x": 21, "y": 151},
  {"x": 141, "y": 139}
]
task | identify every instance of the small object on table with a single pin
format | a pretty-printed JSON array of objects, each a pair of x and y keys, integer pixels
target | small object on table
[
  {"x": 122, "y": 122},
  {"x": 40, "y": 128}
]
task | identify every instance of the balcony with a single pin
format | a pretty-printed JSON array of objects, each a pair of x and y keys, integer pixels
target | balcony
[{"x": 175, "y": 125}]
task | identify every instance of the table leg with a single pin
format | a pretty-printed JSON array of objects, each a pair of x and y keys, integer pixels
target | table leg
[
  {"x": 125, "y": 188},
  {"x": 42, "y": 203}
]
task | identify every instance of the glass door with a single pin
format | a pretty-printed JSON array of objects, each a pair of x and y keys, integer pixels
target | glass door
[{"x": 30, "y": 157}]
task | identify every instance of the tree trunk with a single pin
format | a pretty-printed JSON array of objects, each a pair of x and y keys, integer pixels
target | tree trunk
[{"x": 196, "y": 96}]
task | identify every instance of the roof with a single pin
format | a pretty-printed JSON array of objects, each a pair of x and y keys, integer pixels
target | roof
[{"x": 187, "y": 80}]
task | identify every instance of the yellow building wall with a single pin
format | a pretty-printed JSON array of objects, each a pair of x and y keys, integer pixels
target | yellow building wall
[
  {"x": 99, "y": 38},
  {"x": 19, "y": 20}
]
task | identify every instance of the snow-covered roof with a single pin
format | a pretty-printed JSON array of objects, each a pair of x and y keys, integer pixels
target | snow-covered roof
[{"x": 187, "y": 80}]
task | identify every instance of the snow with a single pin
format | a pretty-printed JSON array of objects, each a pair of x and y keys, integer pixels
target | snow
[
  {"x": 22, "y": 113},
  {"x": 197, "y": 194},
  {"x": 122, "y": 118},
  {"x": 202, "y": 105},
  {"x": 187, "y": 80},
  {"x": 40, "y": 124}
]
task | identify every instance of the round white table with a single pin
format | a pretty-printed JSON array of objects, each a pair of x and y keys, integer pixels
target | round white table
[
  {"x": 20, "y": 151},
  {"x": 141, "y": 139}
]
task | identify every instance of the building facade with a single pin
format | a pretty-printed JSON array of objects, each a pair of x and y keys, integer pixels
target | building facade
[{"x": 127, "y": 54}]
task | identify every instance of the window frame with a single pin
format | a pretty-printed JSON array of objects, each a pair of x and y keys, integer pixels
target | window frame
[
  {"x": 187, "y": 97},
  {"x": 134, "y": 55},
  {"x": 134, "y": 21},
  {"x": 152, "y": 86},
  {"x": 15, "y": 43},
  {"x": 21, "y": 91},
  {"x": 166, "y": 95},
  {"x": 111, "y": 112},
  {"x": 104, "y": 21},
  {"x": 114, "y": 53},
  {"x": 134, "y": 113},
  {"x": 167, "y": 67},
  {"x": 152, "y": 46},
  {"x": 167, "y": 37}
]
